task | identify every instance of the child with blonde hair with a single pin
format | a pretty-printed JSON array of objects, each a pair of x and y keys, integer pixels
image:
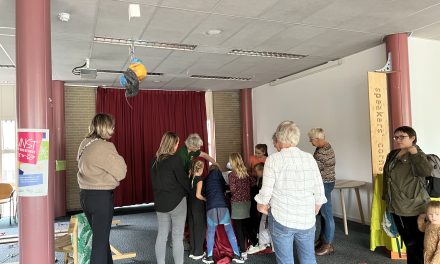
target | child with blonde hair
[
  {"x": 240, "y": 184},
  {"x": 430, "y": 224},
  {"x": 196, "y": 211}
]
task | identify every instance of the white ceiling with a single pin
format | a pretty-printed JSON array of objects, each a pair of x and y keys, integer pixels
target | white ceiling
[{"x": 324, "y": 30}]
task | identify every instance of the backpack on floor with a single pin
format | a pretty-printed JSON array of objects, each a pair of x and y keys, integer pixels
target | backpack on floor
[
  {"x": 433, "y": 181},
  {"x": 390, "y": 228}
]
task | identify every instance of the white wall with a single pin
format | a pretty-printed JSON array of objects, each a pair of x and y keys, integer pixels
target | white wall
[
  {"x": 336, "y": 100},
  {"x": 7, "y": 102},
  {"x": 424, "y": 60}
]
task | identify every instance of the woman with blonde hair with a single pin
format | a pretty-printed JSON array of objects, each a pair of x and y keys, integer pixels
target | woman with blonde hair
[
  {"x": 170, "y": 187},
  {"x": 240, "y": 184},
  {"x": 100, "y": 169}
]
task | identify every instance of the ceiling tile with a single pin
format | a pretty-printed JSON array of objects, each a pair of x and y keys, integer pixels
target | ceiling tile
[
  {"x": 82, "y": 18},
  {"x": 294, "y": 11},
  {"x": 227, "y": 24},
  {"x": 178, "y": 62},
  {"x": 254, "y": 34},
  {"x": 292, "y": 36},
  {"x": 198, "y": 5},
  {"x": 412, "y": 22},
  {"x": 7, "y": 13},
  {"x": 244, "y": 8},
  {"x": 113, "y": 20},
  {"x": 169, "y": 25},
  {"x": 432, "y": 31}
]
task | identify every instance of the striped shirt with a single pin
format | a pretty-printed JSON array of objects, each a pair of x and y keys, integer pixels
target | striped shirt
[{"x": 292, "y": 186}]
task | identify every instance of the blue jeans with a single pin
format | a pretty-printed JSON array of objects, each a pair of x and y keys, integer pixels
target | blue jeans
[
  {"x": 327, "y": 220},
  {"x": 220, "y": 216},
  {"x": 285, "y": 239}
]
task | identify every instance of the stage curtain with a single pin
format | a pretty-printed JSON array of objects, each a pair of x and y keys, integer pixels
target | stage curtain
[{"x": 140, "y": 124}]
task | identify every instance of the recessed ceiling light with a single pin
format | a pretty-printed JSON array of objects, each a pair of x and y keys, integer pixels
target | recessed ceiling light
[{"x": 213, "y": 32}]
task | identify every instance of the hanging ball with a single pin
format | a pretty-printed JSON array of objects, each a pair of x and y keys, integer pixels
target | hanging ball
[{"x": 138, "y": 68}]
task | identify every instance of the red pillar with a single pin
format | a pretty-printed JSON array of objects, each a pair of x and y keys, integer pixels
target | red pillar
[
  {"x": 34, "y": 77},
  {"x": 398, "y": 81},
  {"x": 247, "y": 124},
  {"x": 59, "y": 143}
]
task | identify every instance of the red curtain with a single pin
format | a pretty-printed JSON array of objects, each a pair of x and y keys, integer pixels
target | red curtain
[{"x": 140, "y": 124}]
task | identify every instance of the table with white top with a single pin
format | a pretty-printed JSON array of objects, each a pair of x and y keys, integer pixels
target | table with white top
[{"x": 350, "y": 184}]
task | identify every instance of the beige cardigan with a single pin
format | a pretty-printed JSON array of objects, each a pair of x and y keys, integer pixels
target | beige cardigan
[{"x": 100, "y": 167}]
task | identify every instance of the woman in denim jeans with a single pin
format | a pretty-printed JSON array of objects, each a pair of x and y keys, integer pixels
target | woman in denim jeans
[{"x": 325, "y": 157}]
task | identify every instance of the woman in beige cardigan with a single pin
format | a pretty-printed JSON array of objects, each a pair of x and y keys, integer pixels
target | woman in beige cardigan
[{"x": 100, "y": 169}]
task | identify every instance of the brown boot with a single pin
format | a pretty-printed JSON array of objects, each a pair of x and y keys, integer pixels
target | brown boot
[
  {"x": 318, "y": 244},
  {"x": 325, "y": 249}
]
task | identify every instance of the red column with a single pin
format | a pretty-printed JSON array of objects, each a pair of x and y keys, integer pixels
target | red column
[
  {"x": 398, "y": 81},
  {"x": 247, "y": 124},
  {"x": 34, "y": 77},
  {"x": 59, "y": 143}
]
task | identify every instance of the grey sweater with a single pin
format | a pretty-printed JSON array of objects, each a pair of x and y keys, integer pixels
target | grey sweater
[{"x": 100, "y": 167}]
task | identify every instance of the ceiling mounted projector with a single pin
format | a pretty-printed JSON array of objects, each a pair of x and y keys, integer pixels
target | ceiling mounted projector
[{"x": 88, "y": 73}]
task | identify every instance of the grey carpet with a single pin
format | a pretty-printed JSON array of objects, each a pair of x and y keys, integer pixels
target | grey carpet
[{"x": 137, "y": 233}]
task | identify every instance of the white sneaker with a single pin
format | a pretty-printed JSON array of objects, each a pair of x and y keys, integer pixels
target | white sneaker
[
  {"x": 255, "y": 249},
  {"x": 197, "y": 257},
  {"x": 191, "y": 256},
  {"x": 244, "y": 255}
]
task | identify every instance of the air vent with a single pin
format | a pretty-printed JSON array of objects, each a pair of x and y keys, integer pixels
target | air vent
[
  {"x": 225, "y": 78},
  {"x": 7, "y": 66},
  {"x": 144, "y": 43},
  {"x": 269, "y": 54}
]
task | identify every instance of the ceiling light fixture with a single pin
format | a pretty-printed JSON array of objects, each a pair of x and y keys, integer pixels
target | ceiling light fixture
[
  {"x": 7, "y": 66},
  {"x": 269, "y": 54},
  {"x": 144, "y": 43},
  {"x": 213, "y": 32},
  {"x": 225, "y": 78},
  {"x": 64, "y": 17},
  {"x": 307, "y": 72}
]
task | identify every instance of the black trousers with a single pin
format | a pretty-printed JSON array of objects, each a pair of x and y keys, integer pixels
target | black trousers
[
  {"x": 243, "y": 231},
  {"x": 412, "y": 237},
  {"x": 197, "y": 227},
  {"x": 98, "y": 208}
]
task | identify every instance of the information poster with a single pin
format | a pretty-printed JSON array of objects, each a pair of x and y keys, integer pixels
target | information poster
[{"x": 33, "y": 160}]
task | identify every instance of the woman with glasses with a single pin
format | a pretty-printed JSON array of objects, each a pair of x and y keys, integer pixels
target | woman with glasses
[{"x": 403, "y": 190}]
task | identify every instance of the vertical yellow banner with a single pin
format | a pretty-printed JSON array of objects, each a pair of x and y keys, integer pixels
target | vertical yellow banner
[
  {"x": 378, "y": 101},
  {"x": 380, "y": 147}
]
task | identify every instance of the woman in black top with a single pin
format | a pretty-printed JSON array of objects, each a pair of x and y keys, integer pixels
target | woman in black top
[{"x": 170, "y": 188}]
